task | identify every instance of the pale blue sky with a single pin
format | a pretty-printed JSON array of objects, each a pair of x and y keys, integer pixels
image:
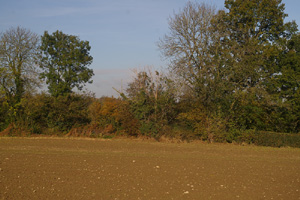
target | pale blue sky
[{"x": 122, "y": 33}]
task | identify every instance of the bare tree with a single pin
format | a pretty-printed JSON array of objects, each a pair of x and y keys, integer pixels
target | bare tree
[
  {"x": 188, "y": 43},
  {"x": 19, "y": 57}
]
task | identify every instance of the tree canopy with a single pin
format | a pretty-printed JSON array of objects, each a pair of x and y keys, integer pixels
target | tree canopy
[
  {"x": 240, "y": 63},
  {"x": 64, "y": 63}
]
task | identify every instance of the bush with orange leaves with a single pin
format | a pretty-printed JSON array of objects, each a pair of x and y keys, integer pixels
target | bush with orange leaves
[{"x": 112, "y": 115}]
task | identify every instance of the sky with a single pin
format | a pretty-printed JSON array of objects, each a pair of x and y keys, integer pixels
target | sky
[{"x": 123, "y": 34}]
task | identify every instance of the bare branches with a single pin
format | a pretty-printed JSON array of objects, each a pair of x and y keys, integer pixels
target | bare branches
[
  {"x": 189, "y": 46},
  {"x": 190, "y": 35},
  {"x": 19, "y": 58}
]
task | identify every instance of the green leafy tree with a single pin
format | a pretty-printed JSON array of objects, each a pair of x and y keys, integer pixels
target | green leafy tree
[
  {"x": 259, "y": 19},
  {"x": 250, "y": 52},
  {"x": 65, "y": 61},
  {"x": 229, "y": 60},
  {"x": 286, "y": 83},
  {"x": 289, "y": 67},
  {"x": 254, "y": 28}
]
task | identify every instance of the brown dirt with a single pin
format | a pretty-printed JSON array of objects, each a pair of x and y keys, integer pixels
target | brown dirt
[{"x": 64, "y": 168}]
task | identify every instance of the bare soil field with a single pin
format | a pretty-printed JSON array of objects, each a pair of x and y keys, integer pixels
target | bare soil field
[{"x": 69, "y": 168}]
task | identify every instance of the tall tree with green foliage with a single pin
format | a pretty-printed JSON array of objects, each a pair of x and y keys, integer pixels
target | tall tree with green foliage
[
  {"x": 232, "y": 61},
  {"x": 286, "y": 83},
  {"x": 251, "y": 48},
  {"x": 65, "y": 61},
  {"x": 255, "y": 28}
]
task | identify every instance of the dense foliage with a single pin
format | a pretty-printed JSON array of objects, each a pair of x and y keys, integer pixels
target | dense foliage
[
  {"x": 64, "y": 63},
  {"x": 234, "y": 76},
  {"x": 239, "y": 67}
]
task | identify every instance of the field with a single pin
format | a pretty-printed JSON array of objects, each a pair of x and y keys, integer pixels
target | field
[{"x": 64, "y": 168}]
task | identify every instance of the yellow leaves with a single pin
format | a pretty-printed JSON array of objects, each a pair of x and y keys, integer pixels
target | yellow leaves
[
  {"x": 105, "y": 108},
  {"x": 194, "y": 115},
  {"x": 113, "y": 114},
  {"x": 109, "y": 106},
  {"x": 94, "y": 109}
]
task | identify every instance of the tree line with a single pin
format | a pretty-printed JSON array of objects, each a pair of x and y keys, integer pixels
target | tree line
[{"x": 233, "y": 75}]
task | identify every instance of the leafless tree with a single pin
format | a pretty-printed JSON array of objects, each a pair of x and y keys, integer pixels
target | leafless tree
[
  {"x": 19, "y": 58},
  {"x": 188, "y": 43}
]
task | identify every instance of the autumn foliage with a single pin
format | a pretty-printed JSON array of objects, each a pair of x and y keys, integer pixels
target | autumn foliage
[{"x": 233, "y": 76}]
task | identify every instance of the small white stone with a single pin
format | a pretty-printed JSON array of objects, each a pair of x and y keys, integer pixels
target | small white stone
[{"x": 186, "y": 192}]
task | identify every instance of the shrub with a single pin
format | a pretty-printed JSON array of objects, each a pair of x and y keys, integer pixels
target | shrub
[
  {"x": 113, "y": 115},
  {"x": 90, "y": 130},
  {"x": 43, "y": 113},
  {"x": 277, "y": 139},
  {"x": 68, "y": 111},
  {"x": 4, "y": 114}
]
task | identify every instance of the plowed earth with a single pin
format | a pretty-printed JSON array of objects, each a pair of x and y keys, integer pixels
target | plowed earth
[{"x": 64, "y": 168}]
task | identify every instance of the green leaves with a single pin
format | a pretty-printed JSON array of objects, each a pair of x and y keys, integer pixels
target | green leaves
[
  {"x": 262, "y": 19},
  {"x": 244, "y": 70},
  {"x": 151, "y": 99},
  {"x": 64, "y": 63}
]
